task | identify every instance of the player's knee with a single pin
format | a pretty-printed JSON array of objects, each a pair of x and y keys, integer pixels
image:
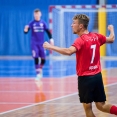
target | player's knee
[
  {"x": 87, "y": 107},
  {"x": 100, "y": 105},
  {"x": 36, "y": 61},
  {"x": 43, "y": 61}
]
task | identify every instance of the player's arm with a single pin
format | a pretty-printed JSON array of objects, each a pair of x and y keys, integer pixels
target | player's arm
[
  {"x": 50, "y": 36},
  {"x": 111, "y": 37},
  {"x": 48, "y": 33},
  {"x": 26, "y": 29},
  {"x": 64, "y": 51}
]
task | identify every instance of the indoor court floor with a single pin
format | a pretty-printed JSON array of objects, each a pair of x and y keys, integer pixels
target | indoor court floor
[{"x": 52, "y": 97}]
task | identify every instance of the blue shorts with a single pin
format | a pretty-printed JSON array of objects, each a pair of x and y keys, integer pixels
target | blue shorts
[{"x": 38, "y": 51}]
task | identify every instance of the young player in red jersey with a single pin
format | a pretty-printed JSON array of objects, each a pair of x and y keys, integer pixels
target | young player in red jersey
[{"x": 87, "y": 49}]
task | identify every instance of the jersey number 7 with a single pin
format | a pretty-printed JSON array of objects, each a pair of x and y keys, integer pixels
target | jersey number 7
[{"x": 93, "y": 54}]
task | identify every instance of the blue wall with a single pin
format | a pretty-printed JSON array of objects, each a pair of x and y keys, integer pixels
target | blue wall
[
  {"x": 111, "y": 1},
  {"x": 13, "y": 17},
  {"x": 15, "y": 14}
]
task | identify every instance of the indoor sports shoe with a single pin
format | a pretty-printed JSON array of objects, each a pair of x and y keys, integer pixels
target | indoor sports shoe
[
  {"x": 38, "y": 80},
  {"x": 39, "y": 76}
]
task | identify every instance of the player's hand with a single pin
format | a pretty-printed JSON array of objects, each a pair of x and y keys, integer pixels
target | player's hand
[
  {"x": 26, "y": 28},
  {"x": 46, "y": 45},
  {"x": 110, "y": 27}
]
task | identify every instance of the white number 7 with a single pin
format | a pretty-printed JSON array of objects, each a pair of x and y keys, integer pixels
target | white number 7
[{"x": 93, "y": 55}]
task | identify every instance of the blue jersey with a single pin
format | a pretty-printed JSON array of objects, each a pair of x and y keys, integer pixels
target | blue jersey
[{"x": 37, "y": 31}]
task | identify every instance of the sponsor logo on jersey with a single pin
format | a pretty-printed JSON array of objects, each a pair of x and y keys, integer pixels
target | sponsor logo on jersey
[
  {"x": 41, "y": 24},
  {"x": 93, "y": 67},
  {"x": 38, "y": 28},
  {"x": 34, "y": 24},
  {"x": 93, "y": 38}
]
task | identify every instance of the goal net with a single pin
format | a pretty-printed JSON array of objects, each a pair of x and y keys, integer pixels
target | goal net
[{"x": 62, "y": 31}]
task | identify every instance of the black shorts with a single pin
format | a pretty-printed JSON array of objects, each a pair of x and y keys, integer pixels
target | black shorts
[{"x": 91, "y": 88}]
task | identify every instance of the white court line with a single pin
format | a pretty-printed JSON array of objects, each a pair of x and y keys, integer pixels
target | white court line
[
  {"x": 110, "y": 84},
  {"x": 33, "y": 78},
  {"x": 47, "y": 103},
  {"x": 49, "y": 100},
  {"x": 38, "y": 103},
  {"x": 64, "y": 103}
]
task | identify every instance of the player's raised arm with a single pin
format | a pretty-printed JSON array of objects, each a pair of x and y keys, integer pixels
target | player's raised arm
[
  {"x": 111, "y": 37},
  {"x": 26, "y": 28},
  {"x": 64, "y": 51}
]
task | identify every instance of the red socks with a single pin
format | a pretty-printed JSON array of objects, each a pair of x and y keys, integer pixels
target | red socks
[{"x": 113, "y": 110}]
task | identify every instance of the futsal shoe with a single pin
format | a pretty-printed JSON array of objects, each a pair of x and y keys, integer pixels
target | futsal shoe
[
  {"x": 38, "y": 79},
  {"x": 39, "y": 75}
]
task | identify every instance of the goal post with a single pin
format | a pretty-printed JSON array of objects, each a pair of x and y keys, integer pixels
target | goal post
[
  {"x": 102, "y": 27},
  {"x": 100, "y": 17}
]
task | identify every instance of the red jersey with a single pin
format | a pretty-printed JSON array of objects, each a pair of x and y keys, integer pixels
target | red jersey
[{"x": 88, "y": 53}]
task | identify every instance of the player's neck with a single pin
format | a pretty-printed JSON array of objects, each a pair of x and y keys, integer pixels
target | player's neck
[
  {"x": 83, "y": 32},
  {"x": 37, "y": 19}
]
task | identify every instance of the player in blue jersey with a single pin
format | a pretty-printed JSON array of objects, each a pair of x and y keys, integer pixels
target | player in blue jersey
[{"x": 38, "y": 27}]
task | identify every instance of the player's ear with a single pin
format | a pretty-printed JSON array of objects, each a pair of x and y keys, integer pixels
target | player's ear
[
  {"x": 81, "y": 26},
  {"x": 40, "y": 14}
]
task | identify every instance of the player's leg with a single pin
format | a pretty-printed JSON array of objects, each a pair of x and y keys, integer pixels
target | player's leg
[
  {"x": 108, "y": 108},
  {"x": 40, "y": 67},
  {"x": 88, "y": 109},
  {"x": 103, "y": 107},
  {"x": 85, "y": 87},
  {"x": 43, "y": 60},
  {"x": 100, "y": 97},
  {"x": 36, "y": 60},
  {"x": 35, "y": 56},
  {"x": 38, "y": 77}
]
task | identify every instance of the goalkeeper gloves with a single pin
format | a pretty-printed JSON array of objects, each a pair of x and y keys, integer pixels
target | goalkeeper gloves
[{"x": 52, "y": 41}]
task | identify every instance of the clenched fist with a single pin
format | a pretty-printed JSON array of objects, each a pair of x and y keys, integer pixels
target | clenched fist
[
  {"x": 47, "y": 45},
  {"x": 110, "y": 27}
]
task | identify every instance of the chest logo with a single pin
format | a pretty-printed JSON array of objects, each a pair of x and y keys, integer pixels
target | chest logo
[
  {"x": 41, "y": 24},
  {"x": 34, "y": 24}
]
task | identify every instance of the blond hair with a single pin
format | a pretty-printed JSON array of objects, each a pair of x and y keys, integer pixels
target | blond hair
[{"x": 82, "y": 19}]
